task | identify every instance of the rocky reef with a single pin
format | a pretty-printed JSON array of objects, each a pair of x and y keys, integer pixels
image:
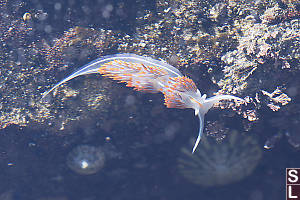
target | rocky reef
[{"x": 248, "y": 49}]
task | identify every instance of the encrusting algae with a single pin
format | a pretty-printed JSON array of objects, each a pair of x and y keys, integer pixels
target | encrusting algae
[{"x": 244, "y": 48}]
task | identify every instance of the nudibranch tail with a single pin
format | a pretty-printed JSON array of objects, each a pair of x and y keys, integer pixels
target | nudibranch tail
[
  {"x": 201, "y": 126},
  {"x": 137, "y": 71},
  {"x": 90, "y": 68}
]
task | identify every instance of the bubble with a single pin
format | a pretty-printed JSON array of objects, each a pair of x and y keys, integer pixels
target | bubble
[
  {"x": 86, "y": 159},
  {"x": 57, "y": 6},
  {"x": 223, "y": 163},
  {"x": 170, "y": 130},
  {"x": 107, "y": 11},
  {"x": 48, "y": 29},
  {"x": 109, "y": 7},
  {"x": 292, "y": 91},
  {"x": 86, "y": 9},
  {"x": 130, "y": 100}
]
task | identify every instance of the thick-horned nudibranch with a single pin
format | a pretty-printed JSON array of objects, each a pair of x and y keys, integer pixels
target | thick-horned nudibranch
[{"x": 149, "y": 75}]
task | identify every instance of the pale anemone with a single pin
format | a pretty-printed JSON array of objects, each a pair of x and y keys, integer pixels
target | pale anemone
[
  {"x": 86, "y": 159},
  {"x": 220, "y": 163}
]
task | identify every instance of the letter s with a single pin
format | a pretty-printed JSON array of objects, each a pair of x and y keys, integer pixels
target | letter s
[{"x": 293, "y": 177}]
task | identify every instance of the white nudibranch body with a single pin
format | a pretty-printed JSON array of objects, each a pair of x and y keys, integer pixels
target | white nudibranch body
[{"x": 150, "y": 75}]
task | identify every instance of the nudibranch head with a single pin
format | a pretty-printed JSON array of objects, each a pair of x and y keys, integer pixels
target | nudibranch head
[{"x": 202, "y": 106}]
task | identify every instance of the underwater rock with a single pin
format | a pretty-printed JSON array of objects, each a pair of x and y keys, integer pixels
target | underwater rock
[
  {"x": 215, "y": 164},
  {"x": 234, "y": 44}
]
